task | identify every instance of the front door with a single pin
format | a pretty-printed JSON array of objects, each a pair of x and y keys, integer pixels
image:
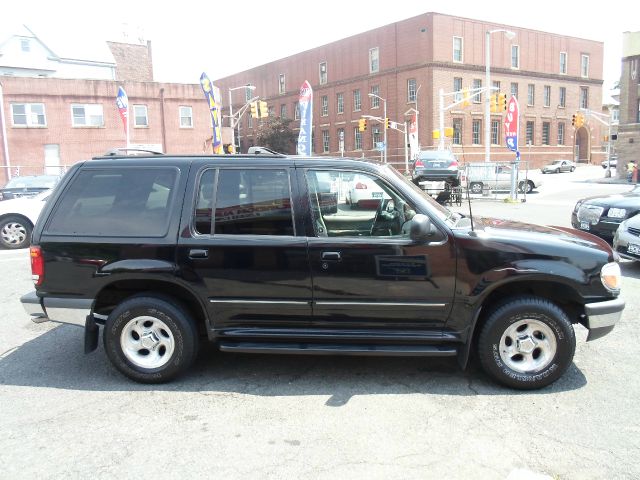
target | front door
[{"x": 366, "y": 270}]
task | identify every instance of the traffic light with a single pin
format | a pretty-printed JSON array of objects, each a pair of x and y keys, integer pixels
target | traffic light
[
  {"x": 493, "y": 102},
  {"x": 362, "y": 124},
  {"x": 386, "y": 123},
  {"x": 573, "y": 120},
  {"x": 580, "y": 120},
  {"x": 466, "y": 98},
  {"x": 254, "y": 109},
  {"x": 448, "y": 132},
  {"x": 264, "y": 109},
  {"x": 502, "y": 102}
]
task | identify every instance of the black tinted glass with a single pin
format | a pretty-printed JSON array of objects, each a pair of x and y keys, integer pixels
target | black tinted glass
[
  {"x": 253, "y": 202},
  {"x": 204, "y": 203},
  {"x": 127, "y": 202}
]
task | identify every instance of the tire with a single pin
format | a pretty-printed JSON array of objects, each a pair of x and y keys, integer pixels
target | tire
[
  {"x": 557, "y": 170},
  {"x": 573, "y": 169},
  {"x": 475, "y": 187},
  {"x": 526, "y": 187},
  {"x": 15, "y": 232},
  {"x": 169, "y": 332},
  {"x": 542, "y": 352}
]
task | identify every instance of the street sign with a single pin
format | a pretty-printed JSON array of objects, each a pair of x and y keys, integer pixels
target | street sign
[
  {"x": 511, "y": 123},
  {"x": 379, "y": 146}
]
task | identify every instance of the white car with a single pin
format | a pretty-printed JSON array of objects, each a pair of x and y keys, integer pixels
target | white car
[
  {"x": 364, "y": 193},
  {"x": 498, "y": 177},
  {"x": 17, "y": 218}
]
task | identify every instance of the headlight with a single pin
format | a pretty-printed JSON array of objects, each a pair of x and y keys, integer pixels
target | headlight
[
  {"x": 611, "y": 277},
  {"x": 575, "y": 209}
]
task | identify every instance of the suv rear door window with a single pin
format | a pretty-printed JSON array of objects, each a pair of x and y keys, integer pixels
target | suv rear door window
[{"x": 127, "y": 202}]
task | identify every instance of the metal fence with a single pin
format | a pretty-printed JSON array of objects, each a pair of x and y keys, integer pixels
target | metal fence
[{"x": 494, "y": 179}]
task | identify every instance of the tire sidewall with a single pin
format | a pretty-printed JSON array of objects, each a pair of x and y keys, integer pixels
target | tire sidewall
[
  {"x": 27, "y": 228},
  {"x": 501, "y": 320}
]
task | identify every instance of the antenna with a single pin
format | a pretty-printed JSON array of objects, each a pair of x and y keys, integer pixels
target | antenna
[{"x": 469, "y": 202}]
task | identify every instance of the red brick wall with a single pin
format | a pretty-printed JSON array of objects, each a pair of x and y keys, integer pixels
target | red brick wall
[{"x": 133, "y": 62}]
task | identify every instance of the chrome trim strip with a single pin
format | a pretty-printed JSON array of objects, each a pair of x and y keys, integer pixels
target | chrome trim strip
[
  {"x": 72, "y": 311},
  {"x": 383, "y": 304},
  {"x": 262, "y": 302}
]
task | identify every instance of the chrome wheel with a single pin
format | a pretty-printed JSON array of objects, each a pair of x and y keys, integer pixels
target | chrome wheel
[
  {"x": 147, "y": 342},
  {"x": 13, "y": 233},
  {"x": 528, "y": 346}
]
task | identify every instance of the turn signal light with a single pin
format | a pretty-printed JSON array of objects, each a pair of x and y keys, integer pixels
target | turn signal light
[{"x": 611, "y": 276}]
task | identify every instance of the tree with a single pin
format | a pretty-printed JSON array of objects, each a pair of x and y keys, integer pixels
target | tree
[{"x": 276, "y": 134}]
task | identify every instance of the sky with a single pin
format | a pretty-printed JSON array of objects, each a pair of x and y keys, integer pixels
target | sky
[{"x": 225, "y": 37}]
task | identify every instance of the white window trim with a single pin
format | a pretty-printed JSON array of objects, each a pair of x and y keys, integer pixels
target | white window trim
[
  {"x": 566, "y": 63},
  {"x": 28, "y": 114},
  {"x": 85, "y": 105},
  {"x": 282, "y": 84},
  {"x": 371, "y": 50},
  {"x": 453, "y": 54},
  {"x": 323, "y": 112},
  {"x": 582, "y": 57},
  {"x": 180, "y": 107},
  {"x": 146, "y": 116},
  {"x": 326, "y": 73},
  {"x": 545, "y": 103},
  {"x": 518, "y": 57}
]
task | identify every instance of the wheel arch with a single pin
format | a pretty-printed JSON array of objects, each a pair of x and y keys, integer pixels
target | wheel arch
[{"x": 17, "y": 215}]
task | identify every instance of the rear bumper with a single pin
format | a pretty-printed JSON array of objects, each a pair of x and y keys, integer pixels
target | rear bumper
[
  {"x": 601, "y": 317},
  {"x": 72, "y": 311}
]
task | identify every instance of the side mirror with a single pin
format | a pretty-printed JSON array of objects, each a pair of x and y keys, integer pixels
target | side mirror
[{"x": 421, "y": 228}]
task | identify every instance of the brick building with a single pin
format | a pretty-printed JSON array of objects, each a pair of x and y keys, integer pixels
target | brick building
[
  {"x": 628, "y": 142},
  {"x": 408, "y": 62}
]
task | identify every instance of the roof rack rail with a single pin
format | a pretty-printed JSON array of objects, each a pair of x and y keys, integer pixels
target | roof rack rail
[
  {"x": 117, "y": 151},
  {"x": 263, "y": 151}
]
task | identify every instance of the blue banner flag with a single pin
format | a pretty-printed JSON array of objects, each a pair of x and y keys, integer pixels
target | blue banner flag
[
  {"x": 213, "y": 99},
  {"x": 306, "y": 119}
]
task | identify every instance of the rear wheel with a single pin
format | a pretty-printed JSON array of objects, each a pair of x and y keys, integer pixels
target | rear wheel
[
  {"x": 573, "y": 169},
  {"x": 15, "y": 232},
  {"x": 150, "y": 339},
  {"x": 526, "y": 187},
  {"x": 475, "y": 187},
  {"x": 557, "y": 170},
  {"x": 527, "y": 343}
]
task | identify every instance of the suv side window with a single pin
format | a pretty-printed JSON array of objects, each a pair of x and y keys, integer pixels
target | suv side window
[
  {"x": 126, "y": 202},
  {"x": 253, "y": 202},
  {"x": 348, "y": 204}
]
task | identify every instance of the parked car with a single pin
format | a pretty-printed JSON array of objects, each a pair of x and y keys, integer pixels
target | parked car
[
  {"x": 364, "y": 193},
  {"x": 602, "y": 215},
  {"x": 28, "y": 186},
  {"x": 613, "y": 161},
  {"x": 496, "y": 176},
  {"x": 17, "y": 218},
  {"x": 626, "y": 240},
  {"x": 558, "y": 166},
  {"x": 164, "y": 252},
  {"x": 436, "y": 166}
]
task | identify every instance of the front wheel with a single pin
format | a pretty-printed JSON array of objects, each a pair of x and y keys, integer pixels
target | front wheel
[
  {"x": 573, "y": 169},
  {"x": 15, "y": 232},
  {"x": 527, "y": 343},
  {"x": 476, "y": 187},
  {"x": 150, "y": 339},
  {"x": 526, "y": 187}
]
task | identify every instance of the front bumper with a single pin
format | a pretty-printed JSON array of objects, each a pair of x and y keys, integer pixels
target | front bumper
[
  {"x": 72, "y": 311},
  {"x": 601, "y": 317}
]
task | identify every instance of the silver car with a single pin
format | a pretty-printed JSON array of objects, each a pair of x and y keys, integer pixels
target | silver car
[
  {"x": 558, "y": 166},
  {"x": 626, "y": 240}
]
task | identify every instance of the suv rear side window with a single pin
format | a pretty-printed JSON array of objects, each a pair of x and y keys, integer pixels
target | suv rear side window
[
  {"x": 126, "y": 202},
  {"x": 253, "y": 202}
]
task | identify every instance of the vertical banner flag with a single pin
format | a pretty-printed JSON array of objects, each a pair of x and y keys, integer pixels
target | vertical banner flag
[
  {"x": 122, "y": 101},
  {"x": 511, "y": 123},
  {"x": 212, "y": 94},
  {"x": 306, "y": 117},
  {"x": 413, "y": 137}
]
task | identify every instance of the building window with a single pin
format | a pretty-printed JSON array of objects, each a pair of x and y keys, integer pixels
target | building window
[
  {"x": 514, "y": 89},
  {"x": 584, "y": 97},
  {"x": 25, "y": 45},
  {"x": 324, "y": 106},
  {"x": 496, "y": 86},
  {"x": 562, "y": 101},
  {"x": 411, "y": 90},
  {"x": 283, "y": 111},
  {"x": 357, "y": 103},
  {"x": 457, "y": 49},
  {"x": 89, "y": 115},
  {"x": 296, "y": 111},
  {"x": 375, "y": 101},
  {"x": 340, "y": 102},
  {"x": 28, "y": 114},
  {"x": 457, "y": 87},
  {"x": 375, "y": 137},
  {"x": 529, "y": 132},
  {"x": 140, "y": 118},
  {"x": 515, "y": 56},
  {"x": 374, "y": 61},
  {"x": 271, "y": 111},
  {"x": 531, "y": 94},
  {"x": 615, "y": 116},
  {"x": 323, "y": 73},
  {"x": 476, "y": 126},
  {"x": 546, "y": 133},
  {"x": 495, "y": 132},
  {"x": 457, "y": 131},
  {"x": 563, "y": 62},
  {"x": 357, "y": 139},
  {"x": 249, "y": 121},
  {"x": 281, "y": 84},
  {"x": 561, "y": 133},
  {"x": 547, "y": 95},
  {"x": 477, "y": 83},
  {"x": 186, "y": 117},
  {"x": 325, "y": 141},
  {"x": 584, "y": 66}
]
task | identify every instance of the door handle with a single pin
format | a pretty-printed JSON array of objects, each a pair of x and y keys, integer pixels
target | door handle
[
  {"x": 331, "y": 256},
  {"x": 198, "y": 253}
]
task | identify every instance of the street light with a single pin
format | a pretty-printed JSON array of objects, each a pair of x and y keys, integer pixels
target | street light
[
  {"x": 487, "y": 108},
  {"x": 231, "y": 122},
  {"x": 385, "y": 119}
]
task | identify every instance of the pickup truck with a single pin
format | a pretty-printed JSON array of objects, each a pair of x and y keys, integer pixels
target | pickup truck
[{"x": 497, "y": 176}]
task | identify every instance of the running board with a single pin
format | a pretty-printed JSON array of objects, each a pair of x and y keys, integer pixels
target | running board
[{"x": 340, "y": 349}]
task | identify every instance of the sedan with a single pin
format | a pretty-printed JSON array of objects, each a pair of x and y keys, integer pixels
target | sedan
[
  {"x": 626, "y": 241},
  {"x": 17, "y": 218},
  {"x": 365, "y": 194},
  {"x": 613, "y": 162},
  {"x": 558, "y": 166},
  {"x": 28, "y": 186},
  {"x": 602, "y": 215}
]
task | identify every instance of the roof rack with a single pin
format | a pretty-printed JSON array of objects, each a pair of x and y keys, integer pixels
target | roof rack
[
  {"x": 263, "y": 151},
  {"x": 117, "y": 151}
]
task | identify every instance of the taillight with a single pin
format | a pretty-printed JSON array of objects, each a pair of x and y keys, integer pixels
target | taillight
[
  {"x": 37, "y": 265},
  {"x": 419, "y": 164},
  {"x": 361, "y": 186},
  {"x": 454, "y": 164}
]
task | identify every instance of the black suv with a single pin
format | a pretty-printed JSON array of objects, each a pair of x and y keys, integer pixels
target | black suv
[{"x": 252, "y": 253}]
